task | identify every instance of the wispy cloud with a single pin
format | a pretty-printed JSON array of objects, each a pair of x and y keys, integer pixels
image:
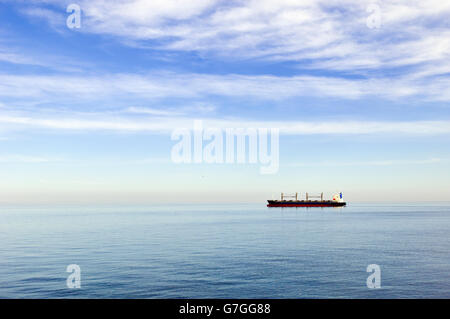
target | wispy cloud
[
  {"x": 327, "y": 34},
  {"x": 12, "y": 57},
  {"x": 55, "y": 19},
  {"x": 17, "y": 158},
  {"x": 370, "y": 163},
  {"x": 151, "y": 111},
  {"x": 183, "y": 110},
  {"x": 13, "y": 54},
  {"x": 195, "y": 85},
  {"x": 165, "y": 124}
]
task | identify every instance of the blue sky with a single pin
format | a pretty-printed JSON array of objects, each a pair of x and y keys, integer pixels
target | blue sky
[{"x": 86, "y": 114}]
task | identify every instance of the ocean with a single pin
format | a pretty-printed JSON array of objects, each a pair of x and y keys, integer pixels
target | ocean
[{"x": 226, "y": 251}]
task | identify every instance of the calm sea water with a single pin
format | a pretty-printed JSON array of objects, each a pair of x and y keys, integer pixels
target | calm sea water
[{"x": 241, "y": 251}]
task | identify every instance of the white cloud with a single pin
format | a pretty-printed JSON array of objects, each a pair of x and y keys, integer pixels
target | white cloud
[
  {"x": 151, "y": 111},
  {"x": 194, "y": 85},
  {"x": 371, "y": 163},
  {"x": 184, "y": 110},
  {"x": 330, "y": 36},
  {"x": 15, "y": 158},
  {"x": 159, "y": 124},
  {"x": 326, "y": 33},
  {"x": 12, "y": 53},
  {"x": 56, "y": 19},
  {"x": 16, "y": 58}
]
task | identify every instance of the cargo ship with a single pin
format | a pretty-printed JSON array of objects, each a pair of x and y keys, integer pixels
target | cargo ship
[{"x": 293, "y": 201}]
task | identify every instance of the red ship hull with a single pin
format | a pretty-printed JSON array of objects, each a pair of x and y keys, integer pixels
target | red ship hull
[{"x": 278, "y": 203}]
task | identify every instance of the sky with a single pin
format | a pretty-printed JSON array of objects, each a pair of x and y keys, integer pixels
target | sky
[{"x": 359, "y": 91}]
